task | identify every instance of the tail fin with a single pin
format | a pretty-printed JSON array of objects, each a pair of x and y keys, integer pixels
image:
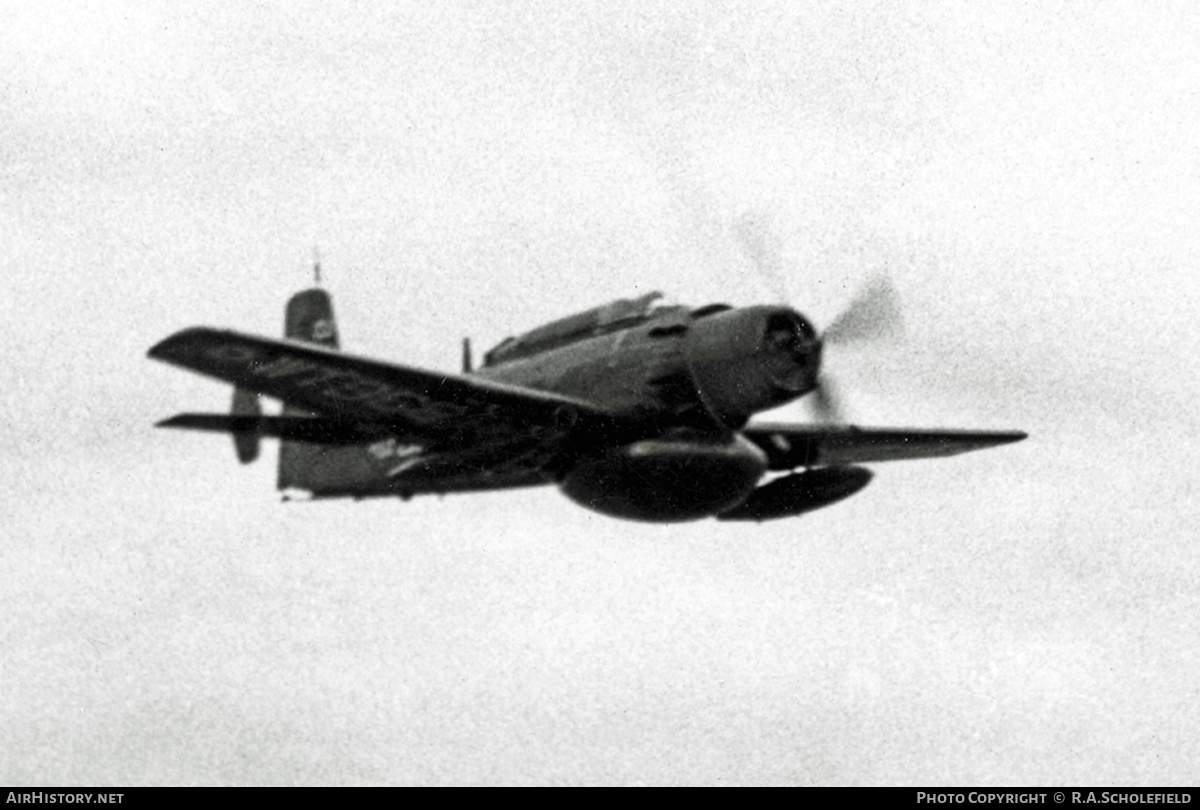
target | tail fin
[{"x": 309, "y": 318}]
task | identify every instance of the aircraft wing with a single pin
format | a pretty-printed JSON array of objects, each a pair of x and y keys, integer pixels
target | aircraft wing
[
  {"x": 791, "y": 446},
  {"x": 353, "y": 396}
]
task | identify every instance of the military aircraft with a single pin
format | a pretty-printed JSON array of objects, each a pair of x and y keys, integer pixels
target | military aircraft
[{"x": 636, "y": 409}]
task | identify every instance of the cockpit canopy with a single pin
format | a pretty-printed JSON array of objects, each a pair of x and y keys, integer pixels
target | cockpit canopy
[{"x": 612, "y": 317}]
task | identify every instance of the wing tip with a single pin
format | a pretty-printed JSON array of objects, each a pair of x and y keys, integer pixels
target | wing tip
[{"x": 163, "y": 349}]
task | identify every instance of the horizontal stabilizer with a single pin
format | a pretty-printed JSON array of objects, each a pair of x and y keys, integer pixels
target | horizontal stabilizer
[
  {"x": 791, "y": 446},
  {"x": 312, "y": 430}
]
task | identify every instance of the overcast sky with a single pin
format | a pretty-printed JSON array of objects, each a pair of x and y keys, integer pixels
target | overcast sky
[{"x": 1027, "y": 174}]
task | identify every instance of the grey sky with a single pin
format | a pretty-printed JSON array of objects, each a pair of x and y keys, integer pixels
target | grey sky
[{"x": 1028, "y": 175}]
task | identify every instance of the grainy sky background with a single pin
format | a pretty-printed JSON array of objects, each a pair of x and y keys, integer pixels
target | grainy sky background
[{"x": 1028, "y": 174}]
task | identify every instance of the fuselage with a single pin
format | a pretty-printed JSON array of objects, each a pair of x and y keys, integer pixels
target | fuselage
[{"x": 679, "y": 384}]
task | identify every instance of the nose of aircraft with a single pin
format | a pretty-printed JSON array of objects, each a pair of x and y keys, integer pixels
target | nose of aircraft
[{"x": 751, "y": 359}]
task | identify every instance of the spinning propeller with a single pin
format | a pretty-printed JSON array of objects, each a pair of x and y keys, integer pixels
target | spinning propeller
[{"x": 874, "y": 314}]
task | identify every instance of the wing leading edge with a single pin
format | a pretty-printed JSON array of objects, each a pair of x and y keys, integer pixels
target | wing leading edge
[{"x": 791, "y": 446}]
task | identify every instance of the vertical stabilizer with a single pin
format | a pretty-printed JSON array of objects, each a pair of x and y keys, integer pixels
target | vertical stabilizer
[{"x": 309, "y": 318}]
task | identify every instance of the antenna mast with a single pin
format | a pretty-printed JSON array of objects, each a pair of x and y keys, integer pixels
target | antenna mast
[{"x": 317, "y": 265}]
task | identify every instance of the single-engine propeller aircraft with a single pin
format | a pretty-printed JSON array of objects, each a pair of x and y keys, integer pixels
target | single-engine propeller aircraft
[{"x": 634, "y": 409}]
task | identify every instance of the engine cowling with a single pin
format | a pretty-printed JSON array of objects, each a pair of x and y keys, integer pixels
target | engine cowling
[
  {"x": 799, "y": 493},
  {"x": 668, "y": 480},
  {"x": 747, "y": 360}
]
